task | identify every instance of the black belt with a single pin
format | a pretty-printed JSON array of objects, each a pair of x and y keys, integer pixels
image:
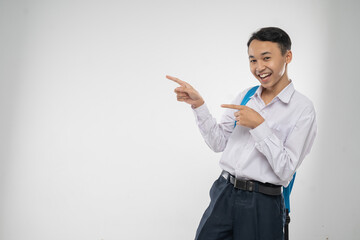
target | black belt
[{"x": 253, "y": 186}]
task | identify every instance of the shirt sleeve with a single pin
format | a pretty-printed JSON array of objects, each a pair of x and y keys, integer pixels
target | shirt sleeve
[
  {"x": 215, "y": 134},
  {"x": 285, "y": 158}
]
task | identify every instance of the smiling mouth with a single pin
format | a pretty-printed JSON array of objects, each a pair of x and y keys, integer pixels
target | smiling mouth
[{"x": 264, "y": 76}]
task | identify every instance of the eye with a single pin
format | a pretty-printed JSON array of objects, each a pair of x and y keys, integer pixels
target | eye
[
  {"x": 266, "y": 58},
  {"x": 253, "y": 61}
]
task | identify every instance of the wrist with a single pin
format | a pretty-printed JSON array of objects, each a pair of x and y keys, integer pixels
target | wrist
[
  {"x": 259, "y": 123},
  {"x": 197, "y": 104},
  {"x": 256, "y": 122}
]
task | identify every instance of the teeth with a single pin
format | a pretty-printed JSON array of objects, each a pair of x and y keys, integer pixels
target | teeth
[{"x": 264, "y": 75}]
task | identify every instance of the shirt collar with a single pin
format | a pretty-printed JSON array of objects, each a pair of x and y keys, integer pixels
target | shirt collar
[{"x": 284, "y": 96}]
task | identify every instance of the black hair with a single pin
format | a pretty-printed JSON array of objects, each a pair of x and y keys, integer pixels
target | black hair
[{"x": 272, "y": 34}]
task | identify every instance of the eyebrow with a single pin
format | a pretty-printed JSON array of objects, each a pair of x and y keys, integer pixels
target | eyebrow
[{"x": 262, "y": 54}]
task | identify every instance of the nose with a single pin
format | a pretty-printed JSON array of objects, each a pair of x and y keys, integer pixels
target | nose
[{"x": 260, "y": 67}]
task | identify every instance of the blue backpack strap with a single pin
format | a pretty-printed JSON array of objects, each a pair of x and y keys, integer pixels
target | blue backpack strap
[
  {"x": 247, "y": 97},
  {"x": 287, "y": 192}
]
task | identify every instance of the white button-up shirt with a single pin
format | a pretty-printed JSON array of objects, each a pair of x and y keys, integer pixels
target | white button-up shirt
[{"x": 271, "y": 152}]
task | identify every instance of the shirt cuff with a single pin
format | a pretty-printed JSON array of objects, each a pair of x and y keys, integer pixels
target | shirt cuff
[
  {"x": 261, "y": 132},
  {"x": 201, "y": 113}
]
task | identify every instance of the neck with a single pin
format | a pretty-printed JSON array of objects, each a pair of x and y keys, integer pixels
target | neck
[
  {"x": 278, "y": 87},
  {"x": 268, "y": 94}
]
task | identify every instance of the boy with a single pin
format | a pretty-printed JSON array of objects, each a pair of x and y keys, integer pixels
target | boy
[{"x": 272, "y": 135}]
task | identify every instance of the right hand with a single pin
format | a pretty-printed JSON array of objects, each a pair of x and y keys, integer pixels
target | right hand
[{"x": 186, "y": 93}]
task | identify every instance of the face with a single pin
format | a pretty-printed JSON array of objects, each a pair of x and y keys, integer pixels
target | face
[{"x": 268, "y": 65}]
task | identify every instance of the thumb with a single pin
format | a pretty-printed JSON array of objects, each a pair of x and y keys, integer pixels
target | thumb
[{"x": 181, "y": 89}]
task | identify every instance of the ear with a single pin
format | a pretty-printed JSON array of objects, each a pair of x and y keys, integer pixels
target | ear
[{"x": 288, "y": 56}]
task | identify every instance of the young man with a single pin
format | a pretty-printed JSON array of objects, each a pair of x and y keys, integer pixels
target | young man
[{"x": 273, "y": 134}]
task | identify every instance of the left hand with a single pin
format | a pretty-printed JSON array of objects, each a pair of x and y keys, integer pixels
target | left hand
[{"x": 246, "y": 116}]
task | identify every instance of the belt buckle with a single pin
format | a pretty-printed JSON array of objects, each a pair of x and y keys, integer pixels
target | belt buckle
[
  {"x": 250, "y": 186},
  {"x": 236, "y": 184}
]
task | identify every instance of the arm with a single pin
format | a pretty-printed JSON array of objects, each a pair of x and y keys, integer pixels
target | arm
[
  {"x": 214, "y": 134},
  {"x": 285, "y": 158}
]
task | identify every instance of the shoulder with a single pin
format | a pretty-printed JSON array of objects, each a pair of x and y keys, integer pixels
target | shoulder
[{"x": 302, "y": 103}]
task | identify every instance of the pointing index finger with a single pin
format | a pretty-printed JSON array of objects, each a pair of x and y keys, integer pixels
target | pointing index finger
[
  {"x": 182, "y": 83},
  {"x": 232, "y": 106}
]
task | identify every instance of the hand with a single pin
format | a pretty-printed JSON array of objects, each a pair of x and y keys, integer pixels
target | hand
[
  {"x": 186, "y": 93},
  {"x": 246, "y": 116}
]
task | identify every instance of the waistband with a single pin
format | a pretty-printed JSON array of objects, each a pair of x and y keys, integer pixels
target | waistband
[{"x": 252, "y": 186}]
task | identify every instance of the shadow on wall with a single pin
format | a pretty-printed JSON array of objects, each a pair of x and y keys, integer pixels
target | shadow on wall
[
  {"x": 338, "y": 169},
  {"x": 12, "y": 45}
]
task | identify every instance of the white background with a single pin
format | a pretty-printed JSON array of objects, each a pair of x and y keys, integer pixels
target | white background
[{"x": 94, "y": 145}]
